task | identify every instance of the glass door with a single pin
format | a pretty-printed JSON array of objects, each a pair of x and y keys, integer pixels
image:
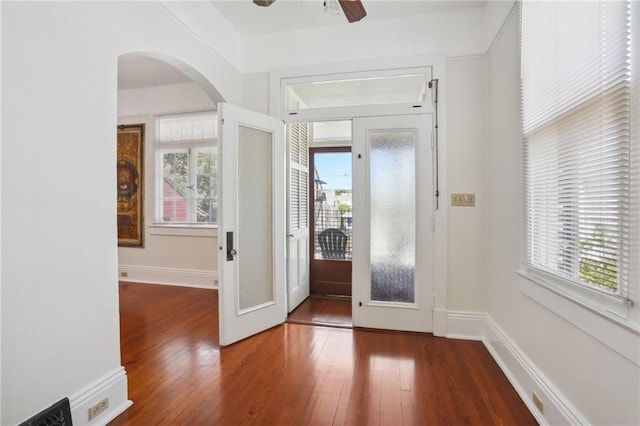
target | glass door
[
  {"x": 251, "y": 228},
  {"x": 392, "y": 257},
  {"x": 331, "y": 244}
]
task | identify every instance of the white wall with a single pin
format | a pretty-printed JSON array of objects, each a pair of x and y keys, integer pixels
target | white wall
[
  {"x": 168, "y": 259},
  {"x": 203, "y": 20},
  {"x": 255, "y": 92},
  {"x": 454, "y": 33},
  {"x": 596, "y": 384},
  {"x": 466, "y": 145},
  {"x": 60, "y": 332}
]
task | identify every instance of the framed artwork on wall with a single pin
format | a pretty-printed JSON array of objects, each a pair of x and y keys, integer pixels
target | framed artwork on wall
[{"x": 130, "y": 185}]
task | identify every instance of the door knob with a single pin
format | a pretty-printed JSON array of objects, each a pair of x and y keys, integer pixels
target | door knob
[{"x": 230, "y": 250}]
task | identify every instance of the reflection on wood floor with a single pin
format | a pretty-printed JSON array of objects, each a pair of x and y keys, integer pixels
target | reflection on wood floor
[
  {"x": 296, "y": 374},
  {"x": 319, "y": 310}
]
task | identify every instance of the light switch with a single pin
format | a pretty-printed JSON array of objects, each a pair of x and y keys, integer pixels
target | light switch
[{"x": 463, "y": 200}]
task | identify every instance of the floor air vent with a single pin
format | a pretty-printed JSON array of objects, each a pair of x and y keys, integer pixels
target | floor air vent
[{"x": 59, "y": 414}]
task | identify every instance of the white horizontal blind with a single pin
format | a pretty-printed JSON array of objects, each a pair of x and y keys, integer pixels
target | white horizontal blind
[
  {"x": 186, "y": 127},
  {"x": 186, "y": 168},
  {"x": 576, "y": 78}
]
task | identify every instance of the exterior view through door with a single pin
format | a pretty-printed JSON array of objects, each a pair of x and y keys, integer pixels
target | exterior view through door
[{"x": 331, "y": 221}]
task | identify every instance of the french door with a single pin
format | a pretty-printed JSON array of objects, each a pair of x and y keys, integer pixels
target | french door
[
  {"x": 330, "y": 248},
  {"x": 392, "y": 237},
  {"x": 392, "y": 234},
  {"x": 251, "y": 228}
]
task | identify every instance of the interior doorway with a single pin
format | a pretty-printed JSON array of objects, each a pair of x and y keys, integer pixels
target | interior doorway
[
  {"x": 331, "y": 242},
  {"x": 320, "y": 231}
]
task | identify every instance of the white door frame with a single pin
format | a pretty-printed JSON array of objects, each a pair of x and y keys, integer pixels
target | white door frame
[{"x": 437, "y": 63}]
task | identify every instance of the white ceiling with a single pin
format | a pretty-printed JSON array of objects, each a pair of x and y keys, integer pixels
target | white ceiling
[
  {"x": 248, "y": 19},
  {"x": 291, "y": 15}
]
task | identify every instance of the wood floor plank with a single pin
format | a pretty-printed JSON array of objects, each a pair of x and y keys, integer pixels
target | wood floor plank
[
  {"x": 330, "y": 311},
  {"x": 298, "y": 374}
]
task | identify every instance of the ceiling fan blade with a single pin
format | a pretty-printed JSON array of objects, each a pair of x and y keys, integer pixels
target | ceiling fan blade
[
  {"x": 353, "y": 10},
  {"x": 264, "y": 3}
]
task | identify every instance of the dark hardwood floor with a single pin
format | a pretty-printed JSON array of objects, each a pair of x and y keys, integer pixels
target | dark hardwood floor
[
  {"x": 320, "y": 310},
  {"x": 297, "y": 374}
]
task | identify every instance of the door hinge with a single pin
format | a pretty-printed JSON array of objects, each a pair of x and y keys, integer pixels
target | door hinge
[{"x": 222, "y": 120}]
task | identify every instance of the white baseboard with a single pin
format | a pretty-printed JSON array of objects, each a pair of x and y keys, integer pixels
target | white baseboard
[
  {"x": 527, "y": 378},
  {"x": 168, "y": 276},
  {"x": 465, "y": 325},
  {"x": 440, "y": 322},
  {"x": 113, "y": 386}
]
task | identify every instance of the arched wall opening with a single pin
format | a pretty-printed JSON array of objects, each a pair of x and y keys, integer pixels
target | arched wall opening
[{"x": 152, "y": 85}]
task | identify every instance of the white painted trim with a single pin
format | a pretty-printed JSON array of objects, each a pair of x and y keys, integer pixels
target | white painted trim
[
  {"x": 527, "y": 378},
  {"x": 169, "y": 276},
  {"x": 184, "y": 230},
  {"x": 350, "y": 112},
  {"x": 466, "y": 325},
  {"x": 617, "y": 334},
  {"x": 441, "y": 234},
  {"x": 440, "y": 321},
  {"x": 113, "y": 386}
]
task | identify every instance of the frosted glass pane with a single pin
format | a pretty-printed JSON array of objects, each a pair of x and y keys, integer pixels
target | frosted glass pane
[
  {"x": 255, "y": 236},
  {"x": 393, "y": 216}
]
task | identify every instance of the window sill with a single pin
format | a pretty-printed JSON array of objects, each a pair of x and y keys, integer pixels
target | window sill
[
  {"x": 599, "y": 316},
  {"x": 186, "y": 230}
]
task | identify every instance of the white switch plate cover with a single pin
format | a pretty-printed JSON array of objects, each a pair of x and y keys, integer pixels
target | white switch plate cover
[{"x": 463, "y": 200}]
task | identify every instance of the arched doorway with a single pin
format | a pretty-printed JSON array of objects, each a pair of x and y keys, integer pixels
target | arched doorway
[{"x": 151, "y": 88}]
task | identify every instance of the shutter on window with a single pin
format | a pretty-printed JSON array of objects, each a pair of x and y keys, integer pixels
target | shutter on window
[{"x": 299, "y": 169}]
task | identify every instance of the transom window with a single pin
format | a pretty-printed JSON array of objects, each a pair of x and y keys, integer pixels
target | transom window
[
  {"x": 187, "y": 164},
  {"x": 364, "y": 93}
]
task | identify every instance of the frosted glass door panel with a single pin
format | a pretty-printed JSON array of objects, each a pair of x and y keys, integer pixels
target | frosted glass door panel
[
  {"x": 255, "y": 213},
  {"x": 392, "y": 237},
  {"x": 393, "y": 216}
]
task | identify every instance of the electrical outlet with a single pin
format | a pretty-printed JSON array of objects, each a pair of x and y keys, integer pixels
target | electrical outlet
[
  {"x": 97, "y": 409},
  {"x": 124, "y": 274},
  {"x": 538, "y": 403},
  {"x": 463, "y": 200}
]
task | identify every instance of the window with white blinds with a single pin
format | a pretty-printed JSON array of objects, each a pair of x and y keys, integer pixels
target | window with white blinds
[
  {"x": 576, "y": 90},
  {"x": 186, "y": 172}
]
